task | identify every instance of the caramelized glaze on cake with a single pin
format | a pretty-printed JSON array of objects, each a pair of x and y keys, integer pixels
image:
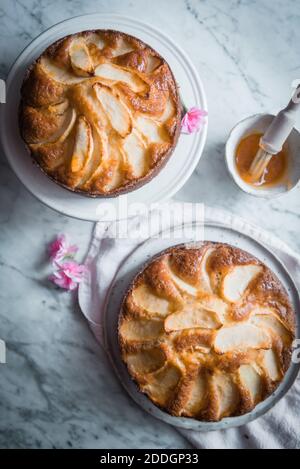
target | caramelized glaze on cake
[
  {"x": 206, "y": 332},
  {"x": 100, "y": 112}
]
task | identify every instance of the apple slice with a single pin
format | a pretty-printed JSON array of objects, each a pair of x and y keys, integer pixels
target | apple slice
[
  {"x": 192, "y": 316},
  {"x": 59, "y": 74},
  {"x": 182, "y": 285},
  {"x": 100, "y": 154},
  {"x": 68, "y": 126},
  {"x": 227, "y": 395},
  {"x": 96, "y": 40},
  {"x": 197, "y": 395},
  {"x": 135, "y": 155},
  {"x": 81, "y": 61},
  {"x": 146, "y": 361},
  {"x": 115, "y": 110},
  {"x": 241, "y": 337},
  {"x": 214, "y": 303},
  {"x": 115, "y": 74},
  {"x": 251, "y": 380},
  {"x": 162, "y": 383},
  {"x": 205, "y": 283},
  {"x": 123, "y": 48},
  {"x": 143, "y": 297},
  {"x": 168, "y": 112},
  {"x": 153, "y": 63},
  {"x": 270, "y": 365},
  {"x": 83, "y": 145},
  {"x": 149, "y": 129},
  {"x": 272, "y": 323},
  {"x": 141, "y": 329},
  {"x": 237, "y": 280},
  {"x": 115, "y": 171}
]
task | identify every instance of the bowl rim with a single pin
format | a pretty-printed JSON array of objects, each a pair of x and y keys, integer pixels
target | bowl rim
[{"x": 258, "y": 193}]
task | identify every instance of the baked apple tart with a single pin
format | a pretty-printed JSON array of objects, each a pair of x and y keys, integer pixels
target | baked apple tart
[
  {"x": 100, "y": 112},
  {"x": 206, "y": 331}
]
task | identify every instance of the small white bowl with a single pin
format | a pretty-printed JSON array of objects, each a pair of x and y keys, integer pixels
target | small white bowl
[{"x": 259, "y": 124}]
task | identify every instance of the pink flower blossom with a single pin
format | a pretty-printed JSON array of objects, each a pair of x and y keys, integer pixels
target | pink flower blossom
[
  {"x": 193, "y": 120},
  {"x": 60, "y": 248},
  {"x": 68, "y": 275}
]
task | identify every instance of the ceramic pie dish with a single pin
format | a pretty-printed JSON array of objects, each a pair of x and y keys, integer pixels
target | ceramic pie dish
[
  {"x": 206, "y": 331},
  {"x": 100, "y": 112},
  {"x": 165, "y": 184}
]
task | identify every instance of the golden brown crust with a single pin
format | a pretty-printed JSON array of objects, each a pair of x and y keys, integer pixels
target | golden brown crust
[
  {"x": 39, "y": 125},
  {"x": 91, "y": 73},
  {"x": 39, "y": 89},
  {"x": 186, "y": 262},
  {"x": 223, "y": 324}
]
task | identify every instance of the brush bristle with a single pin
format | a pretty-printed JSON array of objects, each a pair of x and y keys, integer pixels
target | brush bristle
[{"x": 259, "y": 164}]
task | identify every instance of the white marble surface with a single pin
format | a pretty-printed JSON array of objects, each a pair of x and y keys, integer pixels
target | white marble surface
[{"x": 57, "y": 388}]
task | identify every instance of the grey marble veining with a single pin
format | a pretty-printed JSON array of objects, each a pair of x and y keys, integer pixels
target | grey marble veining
[{"x": 57, "y": 388}]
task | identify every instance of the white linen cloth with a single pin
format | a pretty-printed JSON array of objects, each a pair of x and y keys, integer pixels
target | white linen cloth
[{"x": 280, "y": 427}]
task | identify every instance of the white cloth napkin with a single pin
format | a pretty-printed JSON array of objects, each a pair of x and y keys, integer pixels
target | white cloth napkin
[{"x": 280, "y": 427}]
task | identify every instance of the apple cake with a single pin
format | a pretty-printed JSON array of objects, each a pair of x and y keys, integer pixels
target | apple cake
[
  {"x": 206, "y": 331},
  {"x": 100, "y": 112}
]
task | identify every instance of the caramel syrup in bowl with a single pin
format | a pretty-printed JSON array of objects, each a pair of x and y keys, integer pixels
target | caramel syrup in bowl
[{"x": 276, "y": 171}]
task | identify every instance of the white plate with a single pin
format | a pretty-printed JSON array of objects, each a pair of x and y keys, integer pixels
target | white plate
[
  {"x": 171, "y": 178},
  {"x": 134, "y": 263}
]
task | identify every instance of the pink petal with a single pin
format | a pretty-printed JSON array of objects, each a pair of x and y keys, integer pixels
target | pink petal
[
  {"x": 63, "y": 281},
  {"x": 60, "y": 248},
  {"x": 69, "y": 274},
  {"x": 193, "y": 120},
  {"x": 56, "y": 245}
]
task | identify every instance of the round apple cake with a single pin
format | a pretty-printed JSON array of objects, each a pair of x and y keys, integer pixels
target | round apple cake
[
  {"x": 100, "y": 112},
  {"x": 206, "y": 331}
]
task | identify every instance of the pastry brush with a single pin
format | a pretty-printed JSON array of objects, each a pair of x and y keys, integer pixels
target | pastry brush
[{"x": 272, "y": 141}]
